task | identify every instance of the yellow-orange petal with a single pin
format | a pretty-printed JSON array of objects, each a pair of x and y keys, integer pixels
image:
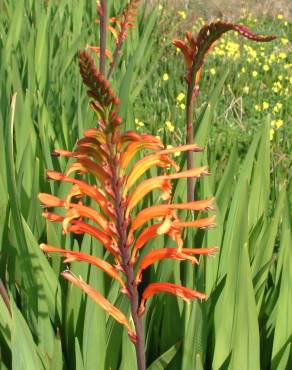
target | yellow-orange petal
[
  {"x": 101, "y": 300},
  {"x": 202, "y": 223},
  {"x": 71, "y": 256},
  {"x": 144, "y": 164},
  {"x": 146, "y": 187},
  {"x": 98, "y": 134},
  {"x": 181, "y": 148},
  {"x": 49, "y": 200},
  {"x": 164, "y": 253},
  {"x": 86, "y": 165},
  {"x": 180, "y": 291},
  {"x": 132, "y": 148}
]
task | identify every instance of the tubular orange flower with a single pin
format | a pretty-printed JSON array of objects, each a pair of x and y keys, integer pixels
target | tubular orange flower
[
  {"x": 180, "y": 291},
  {"x": 103, "y": 302},
  {"x": 159, "y": 254},
  {"x": 71, "y": 256}
]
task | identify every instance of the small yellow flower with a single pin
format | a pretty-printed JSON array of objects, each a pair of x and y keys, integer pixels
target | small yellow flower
[
  {"x": 280, "y": 77},
  {"x": 284, "y": 41},
  {"x": 272, "y": 131},
  {"x": 242, "y": 70},
  {"x": 213, "y": 71},
  {"x": 257, "y": 108},
  {"x": 160, "y": 7},
  {"x": 265, "y": 105},
  {"x": 266, "y": 68},
  {"x": 140, "y": 124},
  {"x": 254, "y": 73},
  {"x": 282, "y": 55},
  {"x": 246, "y": 89},
  {"x": 169, "y": 126},
  {"x": 182, "y": 106},
  {"x": 280, "y": 16},
  {"x": 165, "y": 77},
  {"x": 287, "y": 66},
  {"x": 277, "y": 123},
  {"x": 182, "y": 14},
  {"x": 180, "y": 97},
  {"x": 136, "y": 121}
]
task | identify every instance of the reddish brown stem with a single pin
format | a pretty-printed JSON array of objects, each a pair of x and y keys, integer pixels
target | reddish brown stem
[
  {"x": 128, "y": 266},
  {"x": 103, "y": 25},
  {"x": 189, "y": 140}
]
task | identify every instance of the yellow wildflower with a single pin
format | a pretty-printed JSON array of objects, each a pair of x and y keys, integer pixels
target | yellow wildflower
[
  {"x": 140, "y": 124},
  {"x": 213, "y": 71},
  {"x": 182, "y": 14},
  {"x": 169, "y": 126},
  {"x": 272, "y": 131},
  {"x": 280, "y": 16},
  {"x": 242, "y": 70},
  {"x": 180, "y": 97},
  {"x": 284, "y": 41},
  {"x": 254, "y": 73},
  {"x": 282, "y": 55},
  {"x": 277, "y": 123},
  {"x": 265, "y": 105},
  {"x": 266, "y": 67},
  {"x": 182, "y": 106},
  {"x": 165, "y": 77},
  {"x": 246, "y": 89},
  {"x": 257, "y": 108},
  {"x": 136, "y": 121}
]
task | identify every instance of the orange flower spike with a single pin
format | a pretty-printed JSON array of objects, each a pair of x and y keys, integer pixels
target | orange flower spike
[
  {"x": 180, "y": 291},
  {"x": 159, "y": 254},
  {"x": 101, "y": 300},
  {"x": 96, "y": 49},
  {"x": 71, "y": 256}
]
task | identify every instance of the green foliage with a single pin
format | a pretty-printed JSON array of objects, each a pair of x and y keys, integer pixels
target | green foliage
[{"x": 246, "y": 322}]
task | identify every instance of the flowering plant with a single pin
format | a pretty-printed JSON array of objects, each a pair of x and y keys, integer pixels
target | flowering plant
[{"x": 109, "y": 210}]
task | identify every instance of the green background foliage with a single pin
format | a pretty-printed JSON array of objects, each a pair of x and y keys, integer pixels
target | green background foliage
[{"x": 247, "y": 321}]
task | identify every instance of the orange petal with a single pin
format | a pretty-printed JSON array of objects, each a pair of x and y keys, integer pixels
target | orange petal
[
  {"x": 63, "y": 153},
  {"x": 80, "y": 227},
  {"x": 98, "y": 134},
  {"x": 202, "y": 223},
  {"x": 180, "y": 291},
  {"x": 49, "y": 200},
  {"x": 144, "y": 164},
  {"x": 166, "y": 209},
  {"x": 101, "y": 300},
  {"x": 187, "y": 52},
  {"x": 150, "y": 232},
  {"x": 89, "y": 190},
  {"x": 97, "y": 51},
  {"x": 54, "y": 217},
  {"x": 163, "y": 253},
  {"x": 83, "y": 257}
]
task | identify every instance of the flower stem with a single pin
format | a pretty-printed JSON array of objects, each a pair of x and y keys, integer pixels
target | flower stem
[
  {"x": 103, "y": 25},
  {"x": 128, "y": 266}
]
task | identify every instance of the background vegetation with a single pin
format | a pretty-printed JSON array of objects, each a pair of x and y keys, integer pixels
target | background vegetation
[{"x": 243, "y": 120}]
